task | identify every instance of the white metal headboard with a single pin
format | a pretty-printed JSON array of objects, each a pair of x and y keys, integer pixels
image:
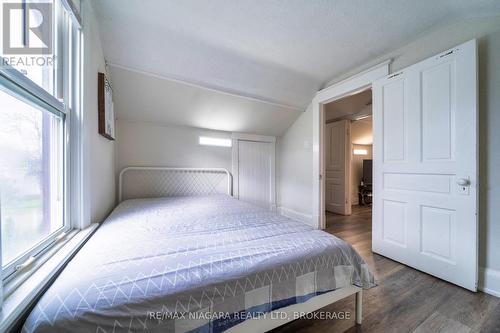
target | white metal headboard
[{"x": 154, "y": 182}]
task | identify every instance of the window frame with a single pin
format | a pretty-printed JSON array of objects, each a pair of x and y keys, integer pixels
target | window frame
[
  {"x": 69, "y": 75},
  {"x": 9, "y": 270}
]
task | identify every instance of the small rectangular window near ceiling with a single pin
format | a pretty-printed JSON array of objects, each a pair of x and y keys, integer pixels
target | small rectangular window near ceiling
[{"x": 209, "y": 141}]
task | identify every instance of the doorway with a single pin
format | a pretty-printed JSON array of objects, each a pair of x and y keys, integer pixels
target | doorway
[
  {"x": 425, "y": 162},
  {"x": 348, "y": 139}
]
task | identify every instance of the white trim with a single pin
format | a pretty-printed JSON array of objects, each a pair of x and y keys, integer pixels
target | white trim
[
  {"x": 336, "y": 91},
  {"x": 295, "y": 215},
  {"x": 86, "y": 131},
  {"x": 76, "y": 133},
  {"x": 10, "y": 271},
  {"x": 273, "y": 176},
  {"x": 30, "y": 91},
  {"x": 235, "y": 167},
  {"x": 281, "y": 316},
  {"x": 332, "y": 82},
  {"x": 73, "y": 12},
  {"x": 253, "y": 137},
  {"x": 489, "y": 281},
  {"x": 206, "y": 86},
  {"x": 23, "y": 295},
  {"x": 236, "y": 137}
]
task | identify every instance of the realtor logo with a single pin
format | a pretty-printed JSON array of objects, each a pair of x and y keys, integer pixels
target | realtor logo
[{"x": 27, "y": 28}]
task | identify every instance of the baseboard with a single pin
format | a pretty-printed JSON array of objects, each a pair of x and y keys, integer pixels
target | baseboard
[
  {"x": 489, "y": 281},
  {"x": 294, "y": 215}
]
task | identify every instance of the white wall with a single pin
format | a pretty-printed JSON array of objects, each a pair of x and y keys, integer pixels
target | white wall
[
  {"x": 98, "y": 154},
  {"x": 362, "y": 131},
  {"x": 149, "y": 144},
  {"x": 487, "y": 30},
  {"x": 294, "y": 168}
]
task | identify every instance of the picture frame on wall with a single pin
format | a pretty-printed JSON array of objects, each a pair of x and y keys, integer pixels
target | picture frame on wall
[{"x": 105, "y": 107}]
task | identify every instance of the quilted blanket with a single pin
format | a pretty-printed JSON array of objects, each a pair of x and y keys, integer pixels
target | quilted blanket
[{"x": 193, "y": 264}]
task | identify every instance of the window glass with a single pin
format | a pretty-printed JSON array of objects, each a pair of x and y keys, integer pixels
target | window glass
[
  {"x": 41, "y": 40},
  {"x": 30, "y": 32},
  {"x": 31, "y": 175}
]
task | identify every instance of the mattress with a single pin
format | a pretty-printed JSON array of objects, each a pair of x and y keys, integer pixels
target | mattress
[{"x": 193, "y": 264}]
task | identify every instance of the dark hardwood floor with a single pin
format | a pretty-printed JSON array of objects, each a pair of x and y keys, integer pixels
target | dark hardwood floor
[{"x": 405, "y": 300}]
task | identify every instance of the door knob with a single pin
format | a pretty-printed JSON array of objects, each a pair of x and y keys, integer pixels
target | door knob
[{"x": 463, "y": 181}]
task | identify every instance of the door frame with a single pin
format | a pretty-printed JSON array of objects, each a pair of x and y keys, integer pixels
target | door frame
[
  {"x": 347, "y": 87},
  {"x": 236, "y": 137}
]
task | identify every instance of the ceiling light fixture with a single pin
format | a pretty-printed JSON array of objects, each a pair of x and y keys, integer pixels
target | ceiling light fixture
[{"x": 360, "y": 152}]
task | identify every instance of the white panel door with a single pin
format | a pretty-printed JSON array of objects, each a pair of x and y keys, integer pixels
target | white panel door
[
  {"x": 425, "y": 166},
  {"x": 337, "y": 167},
  {"x": 254, "y": 172}
]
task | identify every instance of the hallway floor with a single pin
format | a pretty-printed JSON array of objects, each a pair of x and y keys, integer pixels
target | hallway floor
[{"x": 405, "y": 300}]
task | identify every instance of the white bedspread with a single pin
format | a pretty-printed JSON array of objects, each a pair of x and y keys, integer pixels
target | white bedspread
[{"x": 155, "y": 260}]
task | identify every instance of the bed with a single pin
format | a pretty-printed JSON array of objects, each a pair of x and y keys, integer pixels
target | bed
[{"x": 180, "y": 254}]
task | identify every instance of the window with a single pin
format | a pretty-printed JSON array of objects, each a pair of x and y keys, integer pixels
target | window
[
  {"x": 208, "y": 141},
  {"x": 31, "y": 173},
  {"x": 39, "y": 94}
]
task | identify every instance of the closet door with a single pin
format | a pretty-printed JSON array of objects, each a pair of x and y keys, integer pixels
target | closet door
[{"x": 254, "y": 172}]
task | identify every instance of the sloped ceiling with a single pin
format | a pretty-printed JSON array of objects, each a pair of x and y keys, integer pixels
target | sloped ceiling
[
  {"x": 142, "y": 97},
  {"x": 275, "y": 50}
]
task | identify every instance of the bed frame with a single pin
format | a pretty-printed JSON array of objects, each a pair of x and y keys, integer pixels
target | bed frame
[
  {"x": 270, "y": 322},
  {"x": 155, "y": 182},
  {"x": 152, "y": 182}
]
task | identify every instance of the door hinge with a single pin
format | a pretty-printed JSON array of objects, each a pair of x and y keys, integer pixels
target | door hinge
[
  {"x": 446, "y": 54},
  {"x": 394, "y": 75}
]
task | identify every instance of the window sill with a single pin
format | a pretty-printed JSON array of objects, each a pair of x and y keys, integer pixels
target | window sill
[{"x": 25, "y": 293}]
